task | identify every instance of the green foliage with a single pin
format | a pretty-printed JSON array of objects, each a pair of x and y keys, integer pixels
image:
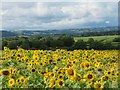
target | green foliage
[
  {"x": 117, "y": 39},
  {"x": 67, "y": 40},
  {"x": 62, "y": 42},
  {"x": 80, "y": 44}
]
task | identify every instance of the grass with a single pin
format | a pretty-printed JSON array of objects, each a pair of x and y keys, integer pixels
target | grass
[{"x": 108, "y": 38}]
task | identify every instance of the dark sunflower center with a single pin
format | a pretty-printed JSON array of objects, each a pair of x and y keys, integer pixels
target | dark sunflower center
[
  {"x": 52, "y": 74},
  {"x": 18, "y": 55},
  {"x": 11, "y": 82},
  {"x": 50, "y": 60},
  {"x": 6, "y": 73},
  {"x": 60, "y": 76},
  {"x": 90, "y": 76},
  {"x": 58, "y": 59},
  {"x": 99, "y": 69},
  {"x": 54, "y": 63},
  {"x": 42, "y": 72},
  {"x": 59, "y": 72},
  {"x": 33, "y": 70},
  {"x": 18, "y": 80},
  {"x": 113, "y": 74},
  {"x": 22, "y": 80},
  {"x": 68, "y": 65},
  {"x": 105, "y": 78},
  {"x": 98, "y": 85},
  {"x": 41, "y": 64},
  {"x": 108, "y": 72},
  {"x": 87, "y": 65},
  {"x": 71, "y": 72},
  {"x": 73, "y": 61},
  {"x": 61, "y": 83},
  {"x": 117, "y": 74}
]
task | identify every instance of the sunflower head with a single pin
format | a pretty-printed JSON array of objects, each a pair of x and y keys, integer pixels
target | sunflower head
[
  {"x": 89, "y": 76},
  {"x": 11, "y": 82},
  {"x": 5, "y": 72},
  {"x": 18, "y": 81},
  {"x": 33, "y": 70},
  {"x": 52, "y": 83},
  {"x": 60, "y": 82},
  {"x": 117, "y": 74},
  {"x": 104, "y": 78},
  {"x": 51, "y": 74},
  {"x": 82, "y": 65},
  {"x": 60, "y": 76},
  {"x": 70, "y": 72},
  {"x": 77, "y": 77},
  {"x": 87, "y": 65},
  {"x": 22, "y": 79},
  {"x": 98, "y": 85}
]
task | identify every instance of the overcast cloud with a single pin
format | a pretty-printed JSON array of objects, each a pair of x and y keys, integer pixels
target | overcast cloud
[{"x": 33, "y": 15}]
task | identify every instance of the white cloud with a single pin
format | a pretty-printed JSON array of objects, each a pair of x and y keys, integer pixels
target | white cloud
[{"x": 57, "y": 15}]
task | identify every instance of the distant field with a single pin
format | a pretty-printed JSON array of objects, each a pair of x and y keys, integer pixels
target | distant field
[
  {"x": 98, "y": 38},
  {"x": 107, "y": 38}
]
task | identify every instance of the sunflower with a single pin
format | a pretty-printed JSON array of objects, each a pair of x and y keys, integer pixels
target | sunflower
[
  {"x": 89, "y": 76},
  {"x": 104, "y": 78},
  {"x": 30, "y": 64},
  {"x": 52, "y": 83},
  {"x": 36, "y": 58},
  {"x": 98, "y": 85},
  {"x": 5, "y": 72},
  {"x": 60, "y": 76},
  {"x": 22, "y": 79},
  {"x": 74, "y": 61},
  {"x": 14, "y": 71},
  {"x": 41, "y": 72},
  {"x": 114, "y": 79},
  {"x": 99, "y": 69},
  {"x": 89, "y": 83},
  {"x": 68, "y": 65},
  {"x": 33, "y": 70},
  {"x": 51, "y": 74},
  {"x": 45, "y": 79},
  {"x": 77, "y": 77},
  {"x": 41, "y": 64},
  {"x": 46, "y": 69},
  {"x": 82, "y": 65},
  {"x": 70, "y": 72},
  {"x": 11, "y": 82},
  {"x": 6, "y": 48},
  {"x": 87, "y": 65},
  {"x": 117, "y": 74},
  {"x": 50, "y": 61},
  {"x": 18, "y": 81},
  {"x": 60, "y": 82}
]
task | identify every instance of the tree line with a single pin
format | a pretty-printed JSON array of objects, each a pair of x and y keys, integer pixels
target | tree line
[{"x": 53, "y": 43}]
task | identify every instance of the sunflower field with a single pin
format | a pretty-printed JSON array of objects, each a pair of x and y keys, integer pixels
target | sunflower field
[{"x": 60, "y": 68}]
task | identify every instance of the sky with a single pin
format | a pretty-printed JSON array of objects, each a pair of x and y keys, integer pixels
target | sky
[{"x": 58, "y": 15}]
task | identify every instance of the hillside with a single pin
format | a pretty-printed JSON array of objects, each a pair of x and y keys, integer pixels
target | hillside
[{"x": 74, "y": 32}]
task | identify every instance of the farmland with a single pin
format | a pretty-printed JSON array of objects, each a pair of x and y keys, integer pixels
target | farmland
[
  {"x": 104, "y": 39},
  {"x": 107, "y": 38},
  {"x": 60, "y": 68}
]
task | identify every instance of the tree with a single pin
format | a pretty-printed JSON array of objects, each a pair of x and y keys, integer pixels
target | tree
[
  {"x": 12, "y": 44},
  {"x": 90, "y": 40},
  {"x": 67, "y": 40},
  {"x": 25, "y": 44},
  {"x": 80, "y": 44},
  {"x": 90, "y": 43},
  {"x": 4, "y": 43}
]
